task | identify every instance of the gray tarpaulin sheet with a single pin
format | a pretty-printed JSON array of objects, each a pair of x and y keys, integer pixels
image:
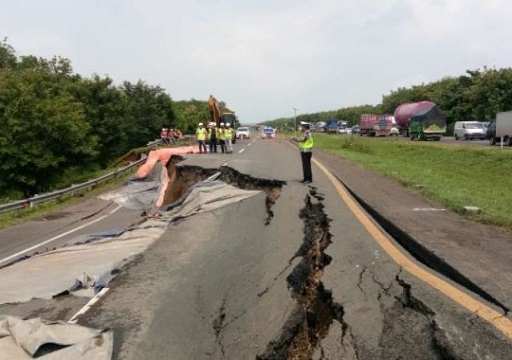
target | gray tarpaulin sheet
[
  {"x": 29, "y": 339},
  {"x": 90, "y": 264},
  {"x": 139, "y": 193}
]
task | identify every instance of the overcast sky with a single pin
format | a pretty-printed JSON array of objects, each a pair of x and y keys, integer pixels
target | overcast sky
[{"x": 265, "y": 57}]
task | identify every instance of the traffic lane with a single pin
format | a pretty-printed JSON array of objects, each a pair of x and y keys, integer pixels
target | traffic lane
[
  {"x": 260, "y": 158},
  {"x": 387, "y": 312},
  {"x": 53, "y": 230},
  {"x": 214, "y": 286},
  {"x": 270, "y": 159}
]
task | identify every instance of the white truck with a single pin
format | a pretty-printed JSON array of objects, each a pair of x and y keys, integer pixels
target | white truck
[{"x": 500, "y": 130}]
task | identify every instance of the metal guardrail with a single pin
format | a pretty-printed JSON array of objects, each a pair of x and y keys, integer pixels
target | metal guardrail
[{"x": 38, "y": 199}]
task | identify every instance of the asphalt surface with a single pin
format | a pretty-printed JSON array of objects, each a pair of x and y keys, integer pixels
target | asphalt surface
[
  {"x": 54, "y": 230},
  {"x": 311, "y": 281},
  {"x": 225, "y": 285}
]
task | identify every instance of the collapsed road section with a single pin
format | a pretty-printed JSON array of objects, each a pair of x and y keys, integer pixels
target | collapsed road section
[{"x": 184, "y": 177}]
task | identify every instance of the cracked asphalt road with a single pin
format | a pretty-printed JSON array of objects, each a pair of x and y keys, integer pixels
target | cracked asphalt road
[{"x": 310, "y": 282}]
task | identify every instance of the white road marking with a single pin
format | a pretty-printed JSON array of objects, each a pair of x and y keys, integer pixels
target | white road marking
[
  {"x": 250, "y": 144},
  {"x": 428, "y": 209},
  {"x": 241, "y": 150},
  {"x": 87, "y": 306},
  {"x": 58, "y": 236}
]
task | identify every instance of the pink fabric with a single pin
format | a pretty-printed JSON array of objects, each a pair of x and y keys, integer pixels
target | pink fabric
[{"x": 163, "y": 156}]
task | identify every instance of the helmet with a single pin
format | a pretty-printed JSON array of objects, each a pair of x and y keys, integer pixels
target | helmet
[
  {"x": 200, "y": 124},
  {"x": 228, "y": 124},
  {"x": 221, "y": 124}
]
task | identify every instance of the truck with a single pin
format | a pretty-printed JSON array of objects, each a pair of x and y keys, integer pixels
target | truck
[
  {"x": 375, "y": 125},
  {"x": 500, "y": 130},
  {"x": 332, "y": 126},
  {"x": 420, "y": 120}
]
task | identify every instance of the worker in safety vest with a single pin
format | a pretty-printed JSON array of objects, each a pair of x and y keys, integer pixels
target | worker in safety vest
[
  {"x": 201, "y": 138},
  {"x": 213, "y": 138},
  {"x": 222, "y": 137},
  {"x": 306, "y": 151},
  {"x": 228, "y": 138}
]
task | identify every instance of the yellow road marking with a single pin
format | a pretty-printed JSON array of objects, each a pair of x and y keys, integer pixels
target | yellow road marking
[{"x": 498, "y": 320}]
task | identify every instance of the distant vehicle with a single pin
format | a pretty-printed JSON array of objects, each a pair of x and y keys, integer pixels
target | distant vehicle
[
  {"x": 394, "y": 130},
  {"x": 321, "y": 126},
  {"x": 243, "y": 132},
  {"x": 500, "y": 129},
  {"x": 485, "y": 124},
  {"x": 355, "y": 129},
  {"x": 332, "y": 126},
  {"x": 268, "y": 133},
  {"x": 469, "y": 130},
  {"x": 342, "y": 130},
  {"x": 421, "y": 120},
  {"x": 375, "y": 125}
]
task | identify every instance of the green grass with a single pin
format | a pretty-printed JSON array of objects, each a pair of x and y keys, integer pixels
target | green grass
[{"x": 455, "y": 176}]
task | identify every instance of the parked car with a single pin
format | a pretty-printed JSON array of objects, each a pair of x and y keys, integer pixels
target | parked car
[
  {"x": 469, "y": 130},
  {"x": 268, "y": 133},
  {"x": 355, "y": 129},
  {"x": 342, "y": 130},
  {"x": 243, "y": 133}
]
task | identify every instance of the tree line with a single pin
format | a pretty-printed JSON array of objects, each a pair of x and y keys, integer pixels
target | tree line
[
  {"x": 476, "y": 95},
  {"x": 56, "y": 123}
]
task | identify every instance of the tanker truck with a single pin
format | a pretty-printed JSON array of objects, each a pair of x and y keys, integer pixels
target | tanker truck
[{"x": 421, "y": 120}]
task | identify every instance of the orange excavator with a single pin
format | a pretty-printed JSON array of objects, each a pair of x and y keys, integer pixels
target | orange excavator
[
  {"x": 214, "y": 110},
  {"x": 224, "y": 117},
  {"x": 218, "y": 117}
]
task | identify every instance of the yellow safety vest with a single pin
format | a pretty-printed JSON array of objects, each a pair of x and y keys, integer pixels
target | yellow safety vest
[
  {"x": 228, "y": 134},
  {"x": 201, "y": 134},
  {"x": 307, "y": 146}
]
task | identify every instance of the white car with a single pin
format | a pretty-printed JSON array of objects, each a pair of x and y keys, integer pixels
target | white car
[
  {"x": 394, "y": 131},
  {"x": 342, "y": 130},
  {"x": 243, "y": 133},
  {"x": 268, "y": 133}
]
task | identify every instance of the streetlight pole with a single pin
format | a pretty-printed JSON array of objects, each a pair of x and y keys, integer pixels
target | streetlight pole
[{"x": 295, "y": 116}]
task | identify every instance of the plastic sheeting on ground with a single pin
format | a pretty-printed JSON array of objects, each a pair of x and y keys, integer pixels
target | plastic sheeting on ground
[
  {"x": 147, "y": 190},
  {"x": 51, "y": 273},
  {"x": 91, "y": 265},
  {"x": 29, "y": 339}
]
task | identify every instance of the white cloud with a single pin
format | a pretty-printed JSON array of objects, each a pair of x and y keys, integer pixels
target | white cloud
[{"x": 263, "y": 58}]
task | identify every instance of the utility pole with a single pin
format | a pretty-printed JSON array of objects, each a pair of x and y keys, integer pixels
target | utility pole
[{"x": 295, "y": 116}]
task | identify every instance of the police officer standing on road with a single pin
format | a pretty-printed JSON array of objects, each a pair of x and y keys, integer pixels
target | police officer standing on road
[{"x": 306, "y": 151}]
